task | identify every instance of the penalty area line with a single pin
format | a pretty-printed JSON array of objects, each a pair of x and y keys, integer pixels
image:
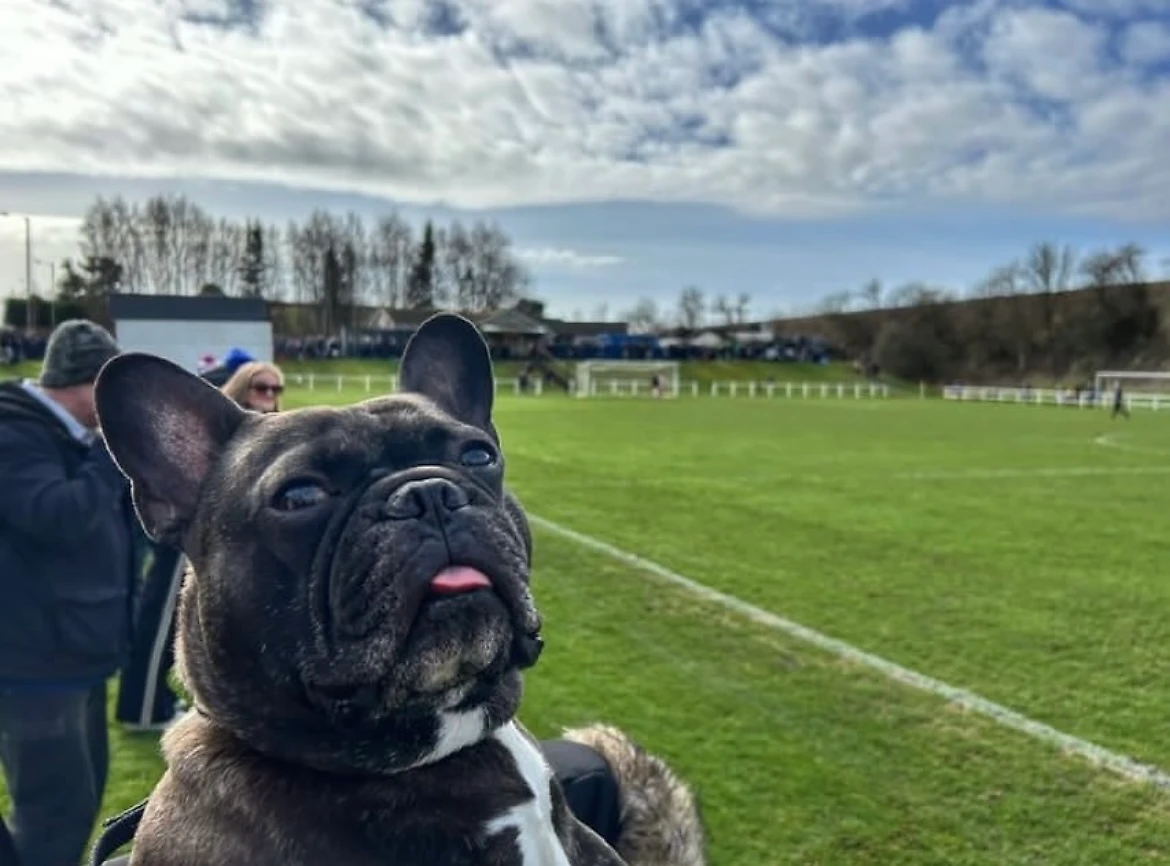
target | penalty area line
[{"x": 1001, "y": 715}]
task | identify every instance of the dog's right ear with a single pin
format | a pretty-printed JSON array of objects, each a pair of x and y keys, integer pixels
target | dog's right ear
[{"x": 165, "y": 428}]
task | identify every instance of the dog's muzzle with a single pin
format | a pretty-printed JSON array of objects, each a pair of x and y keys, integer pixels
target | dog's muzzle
[{"x": 435, "y": 501}]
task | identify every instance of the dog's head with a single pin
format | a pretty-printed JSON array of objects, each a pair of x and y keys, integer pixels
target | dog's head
[{"x": 360, "y": 596}]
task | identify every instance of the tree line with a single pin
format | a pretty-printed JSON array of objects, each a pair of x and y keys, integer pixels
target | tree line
[
  {"x": 1052, "y": 313},
  {"x": 170, "y": 245},
  {"x": 694, "y": 310}
]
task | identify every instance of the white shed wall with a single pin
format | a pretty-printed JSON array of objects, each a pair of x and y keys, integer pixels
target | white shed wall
[{"x": 185, "y": 341}]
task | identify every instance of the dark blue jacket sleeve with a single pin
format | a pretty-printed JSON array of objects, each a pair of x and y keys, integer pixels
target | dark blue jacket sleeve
[{"x": 38, "y": 498}]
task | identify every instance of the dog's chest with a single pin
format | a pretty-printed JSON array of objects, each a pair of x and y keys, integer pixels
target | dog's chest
[{"x": 536, "y": 837}]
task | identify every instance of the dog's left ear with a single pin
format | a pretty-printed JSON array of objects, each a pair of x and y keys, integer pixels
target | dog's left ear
[
  {"x": 165, "y": 428},
  {"x": 448, "y": 361}
]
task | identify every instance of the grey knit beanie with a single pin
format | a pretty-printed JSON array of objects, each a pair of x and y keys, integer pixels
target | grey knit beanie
[{"x": 76, "y": 352}]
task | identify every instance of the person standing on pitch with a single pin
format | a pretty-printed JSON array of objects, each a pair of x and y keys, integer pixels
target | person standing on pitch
[
  {"x": 68, "y": 556},
  {"x": 1119, "y": 405}
]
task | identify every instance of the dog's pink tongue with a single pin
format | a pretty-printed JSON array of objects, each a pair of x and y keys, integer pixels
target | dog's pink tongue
[{"x": 459, "y": 578}]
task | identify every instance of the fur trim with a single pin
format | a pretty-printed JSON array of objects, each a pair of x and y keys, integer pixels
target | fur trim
[{"x": 660, "y": 821}]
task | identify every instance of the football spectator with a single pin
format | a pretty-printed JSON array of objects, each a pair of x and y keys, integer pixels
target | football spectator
[
  {"x": 256, "y": 385},
  {"x": 68, "y": 555}
]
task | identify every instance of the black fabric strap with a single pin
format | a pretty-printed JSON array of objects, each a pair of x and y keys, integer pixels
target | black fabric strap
[{"x": 116, "y": 832}]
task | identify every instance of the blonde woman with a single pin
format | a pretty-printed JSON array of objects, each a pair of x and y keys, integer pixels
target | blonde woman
[
  {"x": 256, "y": 385},
  {"x": 145, "y": 699}
]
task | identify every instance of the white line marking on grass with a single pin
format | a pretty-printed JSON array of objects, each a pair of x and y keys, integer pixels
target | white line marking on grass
[
  {"x": 1059, "y": 472},
  {"x": 1109, "y": 440},
  {"x": 1094, "y": 754}
]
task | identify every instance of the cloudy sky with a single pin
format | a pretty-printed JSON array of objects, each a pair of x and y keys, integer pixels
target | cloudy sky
[{"x": 787, "y": 148}]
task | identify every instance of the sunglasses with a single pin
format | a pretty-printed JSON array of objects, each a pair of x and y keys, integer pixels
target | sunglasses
[{"x": 269, "y": 390}]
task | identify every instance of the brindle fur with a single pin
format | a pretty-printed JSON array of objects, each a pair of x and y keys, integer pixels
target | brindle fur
[{"x": 345, "y": 714}]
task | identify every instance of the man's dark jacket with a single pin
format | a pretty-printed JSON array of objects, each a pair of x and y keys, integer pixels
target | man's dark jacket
[{"x": 68, "y": 550}]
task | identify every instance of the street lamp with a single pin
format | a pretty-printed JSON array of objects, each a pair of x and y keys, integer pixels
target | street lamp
[{"x": 27, "y": 261}]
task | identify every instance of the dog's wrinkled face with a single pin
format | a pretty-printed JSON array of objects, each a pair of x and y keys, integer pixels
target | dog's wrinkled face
[{"x": 360, "y": 600}]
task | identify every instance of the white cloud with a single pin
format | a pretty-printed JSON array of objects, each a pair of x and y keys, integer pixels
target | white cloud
[
  {"x": 566, "y": 258},
  {"x": 534, "y": 101},
  {"x": 1146, "y": 42},
  {"x": 1117, "y": 8}
]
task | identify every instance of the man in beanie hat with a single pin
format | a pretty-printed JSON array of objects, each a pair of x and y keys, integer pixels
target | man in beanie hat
[{"x": 68, "y": 558}]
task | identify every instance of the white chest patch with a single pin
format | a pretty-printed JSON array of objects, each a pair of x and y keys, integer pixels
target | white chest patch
[
  {"x": 532, "y": 819},
  {"x": 456, "y": 731}
]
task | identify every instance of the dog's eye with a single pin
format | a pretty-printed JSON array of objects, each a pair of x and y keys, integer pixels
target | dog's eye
[
  {"x": 477, "y": 456},
  {"x": 300, "y": 494}
]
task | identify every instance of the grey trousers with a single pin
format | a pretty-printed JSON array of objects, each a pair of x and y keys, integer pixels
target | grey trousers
[{"x": 54, "y": 749}]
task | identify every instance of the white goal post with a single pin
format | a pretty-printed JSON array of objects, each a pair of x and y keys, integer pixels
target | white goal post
[
  {"x": 626, "y": 378},
  {"x": 1143, "y": 381}
]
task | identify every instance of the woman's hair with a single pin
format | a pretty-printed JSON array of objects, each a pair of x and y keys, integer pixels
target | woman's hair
[{"x": 239, "y": 386}]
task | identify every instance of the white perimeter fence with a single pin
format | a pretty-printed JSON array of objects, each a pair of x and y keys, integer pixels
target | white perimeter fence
[
  {"x": 1055, "y": 397},
  {"x": 618, "y": 387}
]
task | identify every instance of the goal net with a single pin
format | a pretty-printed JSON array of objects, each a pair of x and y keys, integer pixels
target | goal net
[
  {"x": 1140, "y": 387},
  {"x": 1141, "y": 381},
  {"x": 626, "y": 378}
]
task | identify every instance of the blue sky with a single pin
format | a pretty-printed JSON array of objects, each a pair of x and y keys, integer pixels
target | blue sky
[{"x": 631, "y": 147}]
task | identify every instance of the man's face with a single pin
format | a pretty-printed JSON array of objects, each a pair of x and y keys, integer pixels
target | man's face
[{"x": 84, "y": 408}]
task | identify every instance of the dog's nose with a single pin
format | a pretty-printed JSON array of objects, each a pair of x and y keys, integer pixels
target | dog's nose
[{"x": 415, "y": 499}]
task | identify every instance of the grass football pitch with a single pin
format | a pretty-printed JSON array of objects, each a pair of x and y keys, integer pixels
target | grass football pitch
[{"x": 1018, "y": 552}]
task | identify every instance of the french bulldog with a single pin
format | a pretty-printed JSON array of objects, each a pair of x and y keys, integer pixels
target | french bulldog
[{"x": 353, "y": 629}]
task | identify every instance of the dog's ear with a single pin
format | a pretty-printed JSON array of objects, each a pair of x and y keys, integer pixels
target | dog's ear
[
  {"x": 164, "y": 428},
  {"x": 448, "y": 361}
]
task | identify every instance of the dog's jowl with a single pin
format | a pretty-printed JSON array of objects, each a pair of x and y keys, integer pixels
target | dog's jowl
[{"x": 354, "y": 629}]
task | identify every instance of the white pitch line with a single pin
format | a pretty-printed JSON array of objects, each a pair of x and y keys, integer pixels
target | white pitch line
[
  {"x": 1109, "y": 440},
  {"x": 1058, "y": 472},
  {"x": 1008, "y": 718}
]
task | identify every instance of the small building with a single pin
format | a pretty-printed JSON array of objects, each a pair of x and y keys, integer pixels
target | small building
[
  {"x": 512, "y": 333},
  {"x": 183, "y": 329}
]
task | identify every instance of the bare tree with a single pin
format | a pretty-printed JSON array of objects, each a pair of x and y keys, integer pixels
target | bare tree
[
  {"x": 1049, "y": 268},
  {"x": 643, "y": 316},
  {"x": 836, "y": 303},
  {"x": 743, "y": 303},
  {"x": 226, "y": 253},
  {"x": 391, "y": 251},
  {"x": 497, "y": 276},
  {"x": 168, "y": 244},
  {"x": 871, "y": 294},
  {"x": 200, "y": 229},
  {"x": 1002, "y": 282},
  {"x": 455, "y": 268},
  {"x": 108, "y": 231},
  {"x": 691, "y": 308},
  {"x": 1125, "y": 265},
  {"x": 724, "y": 308},
  {"x": 274, "y": 264},
  {"x": 308, "y": 246},
  {"x": 1131, "y": 263},
  {"x": 355, "y": 248}
]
